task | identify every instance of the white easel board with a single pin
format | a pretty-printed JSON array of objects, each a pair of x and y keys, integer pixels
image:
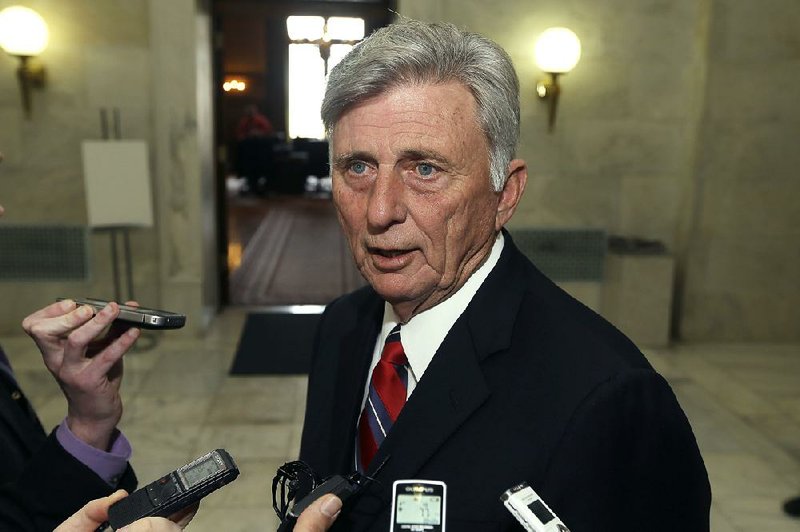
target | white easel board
[{"x": 117, "y": 178}]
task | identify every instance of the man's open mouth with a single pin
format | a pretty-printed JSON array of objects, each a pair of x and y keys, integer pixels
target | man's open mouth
[{"x": 390, "y": 253}]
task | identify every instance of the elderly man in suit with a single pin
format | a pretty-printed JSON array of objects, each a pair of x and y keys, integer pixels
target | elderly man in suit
[{"x": 461, "y": 362}]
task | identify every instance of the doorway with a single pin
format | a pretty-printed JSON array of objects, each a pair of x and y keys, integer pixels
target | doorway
[{"x": 280, "y": 242}]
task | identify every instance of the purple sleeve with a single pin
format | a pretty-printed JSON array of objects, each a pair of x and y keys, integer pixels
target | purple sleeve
[{"x": 107, "y": 465}]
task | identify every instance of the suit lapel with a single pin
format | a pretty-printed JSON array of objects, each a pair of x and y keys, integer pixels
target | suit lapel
[
  {"x": 453, "y": 386},
  {"x": 355, "y": 356},
  {"x": 493, "y": 311}
]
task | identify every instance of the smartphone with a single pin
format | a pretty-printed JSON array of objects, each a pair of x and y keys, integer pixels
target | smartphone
[
  {"x": 146, "y": 318},
  {"x": 176, "y": 490}
]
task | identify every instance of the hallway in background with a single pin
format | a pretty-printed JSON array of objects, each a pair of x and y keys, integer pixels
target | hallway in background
[{"x": 287, "y": 250}]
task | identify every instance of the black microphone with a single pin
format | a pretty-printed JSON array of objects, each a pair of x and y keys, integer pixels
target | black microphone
[{"x": 343, "y": 487}]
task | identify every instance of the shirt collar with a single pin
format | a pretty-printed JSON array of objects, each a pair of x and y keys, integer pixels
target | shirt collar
[{"x": 425, "y": 332}]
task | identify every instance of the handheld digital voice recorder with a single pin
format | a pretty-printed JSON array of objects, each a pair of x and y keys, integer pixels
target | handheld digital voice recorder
[
  {"x": 530, "y": 510},
  {"x": 176, "y": 490},
  {"x": 418, "y": 506},
  {"x": 342, "y": 487}
]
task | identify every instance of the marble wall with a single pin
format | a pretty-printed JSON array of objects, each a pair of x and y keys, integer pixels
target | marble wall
[
  {"x": 621, "y": 132},
  {"x": 143, "y": 57},
  {"x": 677, "y": 124},
  {"x": 98, "y": 57},
  {"x": 742, "y": 276}
]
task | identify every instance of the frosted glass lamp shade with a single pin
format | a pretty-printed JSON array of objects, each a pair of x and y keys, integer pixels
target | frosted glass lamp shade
[
  {"x": 557, "y": 50},
  {"x": 23, "y": 31}
]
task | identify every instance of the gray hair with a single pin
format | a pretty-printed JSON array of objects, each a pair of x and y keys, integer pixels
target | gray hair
[{"x": 414, "y": 52}]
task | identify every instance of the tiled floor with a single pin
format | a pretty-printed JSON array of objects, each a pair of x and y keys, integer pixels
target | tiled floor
[{"x": 743, "y": 402}]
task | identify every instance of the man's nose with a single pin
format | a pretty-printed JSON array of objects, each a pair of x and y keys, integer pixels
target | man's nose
[{"x": 387, "y": 200}]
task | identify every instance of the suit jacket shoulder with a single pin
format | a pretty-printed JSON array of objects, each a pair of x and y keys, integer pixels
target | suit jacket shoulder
[
  {"x": 52, "y": 486},
  {"x": 342, "y": 353},
  {"x": 41, "y": 483}
]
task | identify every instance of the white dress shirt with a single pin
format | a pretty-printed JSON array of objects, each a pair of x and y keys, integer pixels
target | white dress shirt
[{"x": 425, "y": 332}]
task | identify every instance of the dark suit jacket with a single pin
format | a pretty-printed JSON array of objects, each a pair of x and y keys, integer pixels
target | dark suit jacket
[
  {"x": 41, "y": 484},
  {"x": 529, "y": 385}
]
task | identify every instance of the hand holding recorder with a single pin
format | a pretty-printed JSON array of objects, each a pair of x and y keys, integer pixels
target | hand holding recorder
[
  {"x": 320, "y": 516},
  {"x": 316, "y": 518},
  {"x": 95, "y": 513}
]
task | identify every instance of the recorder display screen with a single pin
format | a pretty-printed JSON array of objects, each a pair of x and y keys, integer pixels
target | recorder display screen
[
  {"x": 200, "y": 471},
  {"x": 418, "y": 509},
  {"x": 541, "y": 512}
]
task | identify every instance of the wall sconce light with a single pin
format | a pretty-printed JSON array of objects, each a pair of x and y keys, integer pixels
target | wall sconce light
[
  {"x": 23, "y": 33},
  {"x": 557, "y": 51}
]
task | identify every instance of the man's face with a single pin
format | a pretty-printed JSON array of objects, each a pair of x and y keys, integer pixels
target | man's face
[{"x": 412, "y": 189}]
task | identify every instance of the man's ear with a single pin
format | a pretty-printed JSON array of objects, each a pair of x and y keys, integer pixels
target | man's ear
[{"x": 511, "y": 193}]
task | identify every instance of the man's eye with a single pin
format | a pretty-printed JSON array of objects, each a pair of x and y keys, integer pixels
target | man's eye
[
  {"x": 358, "y": 167},
  {"x": 425, "y": 169}
]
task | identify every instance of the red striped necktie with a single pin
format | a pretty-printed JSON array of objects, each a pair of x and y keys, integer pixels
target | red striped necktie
[{"x": 387, "y": 395}]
